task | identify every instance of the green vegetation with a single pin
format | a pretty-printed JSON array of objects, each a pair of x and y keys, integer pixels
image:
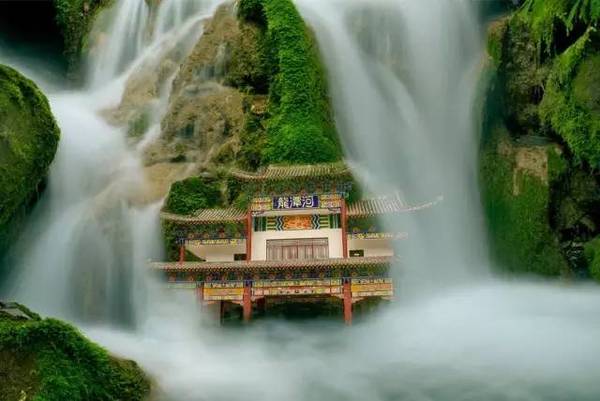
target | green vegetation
[
  {"x": 192, "y": 194},
  {"x": 300, "y": 129},
  {"x": 56, "y": 363},
  {"x": 545, "y": 17},
  {"x": 75, "y": 18},
  {"x": 28, "y": 141},
  {"x": 568, "y": 104},
  {"x": 518, "y": 216},
  {"x": 496, "y": 35},
  {"x": 592, "y": 255}
]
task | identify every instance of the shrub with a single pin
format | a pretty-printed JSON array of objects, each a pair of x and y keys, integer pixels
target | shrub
[{"x": 192, "y": 194}]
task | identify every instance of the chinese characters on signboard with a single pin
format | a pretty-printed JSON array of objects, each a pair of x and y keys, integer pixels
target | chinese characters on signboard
[{"x": 295, "y": 202}]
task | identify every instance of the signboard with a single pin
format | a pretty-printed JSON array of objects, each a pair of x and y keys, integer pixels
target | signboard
[
  {"x": 395, "y": 236},
  {"x": 296, "y": 202},
  {"x": 218, "y": 241},
  {"x": 222, "y": 291},
  {"x": 325, "y": 286},
  {"x": 378, "y": 287}
]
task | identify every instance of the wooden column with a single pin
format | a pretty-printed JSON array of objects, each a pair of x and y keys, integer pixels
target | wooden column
[
  {"x": 182, "y": 253},
  {"x": 247, "y": 300},
  {"x": 344, "y": 218},
  {"x": 249, "y": 236},
  {"x": 347, "y": 291}
]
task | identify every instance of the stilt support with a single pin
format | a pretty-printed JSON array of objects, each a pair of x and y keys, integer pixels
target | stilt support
[
  {"x": 347, "y": 291},
  {"x": 247, "y": 301}
]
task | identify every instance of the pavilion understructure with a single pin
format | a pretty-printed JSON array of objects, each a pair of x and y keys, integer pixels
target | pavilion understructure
[{"x": 302, "y": 235}]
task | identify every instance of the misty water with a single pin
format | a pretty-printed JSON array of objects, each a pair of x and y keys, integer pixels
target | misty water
[{"x": 403, "y": 77}]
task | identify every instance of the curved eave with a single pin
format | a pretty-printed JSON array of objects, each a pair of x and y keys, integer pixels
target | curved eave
[
  {"x": 278, "y": 173},
  {"x": 207, "y": 216},
  {"x": 257, "y": 266},
  {"x": 382, "y": 206}
]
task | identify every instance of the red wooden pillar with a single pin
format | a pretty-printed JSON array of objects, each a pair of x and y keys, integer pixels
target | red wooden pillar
[
  {"x": 344, "y": 218},
  {"x": 181, "y": 253},
  {"x": 347, "y": 291},
  {"x": 249, "y": 236},
  {"x": 247, "y": 301}
]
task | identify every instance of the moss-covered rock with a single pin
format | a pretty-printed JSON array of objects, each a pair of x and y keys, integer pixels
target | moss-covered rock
[
  {"x": 545, "y": 89},
  {"x": 520, "y": 75},
  {"x": 516, "y": 194},
  {"x": 75, "y": 18},
  {"x": 46, "y": 359},
  {"x": 28, "y": 141},
  {"x": 301, "y": 127}
]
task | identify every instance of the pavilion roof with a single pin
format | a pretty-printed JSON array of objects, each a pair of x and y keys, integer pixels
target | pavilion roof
[
  {"x": 207, "y": 216},
  {"x": 273, "y": 265},
  {"x": 361, "y": 208},
  {"x": 385, "y": 205},
  {"x": 275, "y": 172}
]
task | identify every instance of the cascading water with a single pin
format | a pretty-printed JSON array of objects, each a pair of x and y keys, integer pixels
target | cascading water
[
  {"x": 82, "y": 263},
  {"x": 402, "y": 76}
]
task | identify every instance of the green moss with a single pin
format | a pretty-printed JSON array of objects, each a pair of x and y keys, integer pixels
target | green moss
[
  {"x": 586, "y": 85},
  {"x": 521, "y": 237},
  {"x": 520, "y": 76},
  {"x": 592, "y": 255},
  {"x": 66, "y": 365},
  {"x": 495, "y": 39},
  {"x": 545, "y": 17},
  {"x": 557, "y": 165},
  {"x": 194, "y": 193},
  {"x": 253, "y": 141},
  {"x": 566, "y": 106},
  {"x": 301, "y": 128},
  {"x": 138, "y": 126},
  {"x": 28, "y": 141},
  {"x": 75, "y": 18}
]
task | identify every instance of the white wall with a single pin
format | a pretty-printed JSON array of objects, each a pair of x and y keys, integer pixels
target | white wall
[
  {"x": 216, "y": 253},
  {"x": 372, "y": 247},
  {"x": 259, "y": 240}
]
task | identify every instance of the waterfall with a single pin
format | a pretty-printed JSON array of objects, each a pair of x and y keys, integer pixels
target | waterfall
[
  {"x": 131, "y": 27},
  {"x": 84, "y": 255},
  {"x": 403, "y": 76}
]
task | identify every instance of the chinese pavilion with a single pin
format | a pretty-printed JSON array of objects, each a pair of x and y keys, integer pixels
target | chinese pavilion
[{"x": 301, "y": 235}]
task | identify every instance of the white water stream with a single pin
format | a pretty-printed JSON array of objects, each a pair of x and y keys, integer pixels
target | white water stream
[{"x": 403, "y": 76}]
